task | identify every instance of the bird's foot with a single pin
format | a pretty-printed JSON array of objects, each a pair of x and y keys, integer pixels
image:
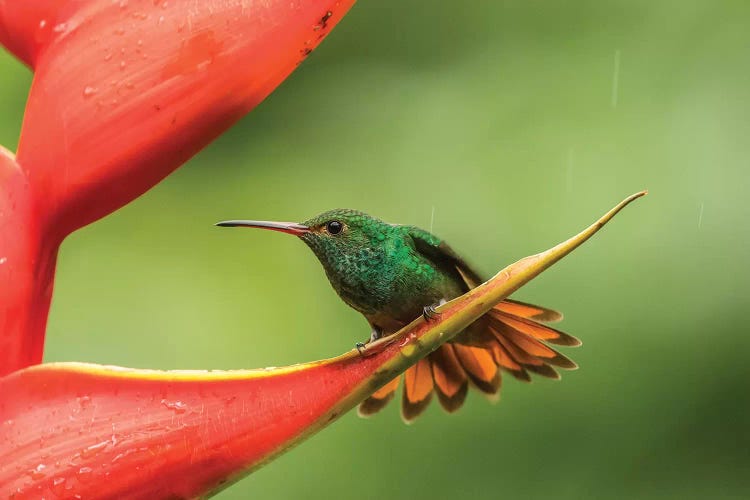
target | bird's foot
[
  {"x": 375, "y": 334},
  {"x": 370, "y": 349},
  {"x": 429, "y": 312},
  {"x": 373, "y": 346}
]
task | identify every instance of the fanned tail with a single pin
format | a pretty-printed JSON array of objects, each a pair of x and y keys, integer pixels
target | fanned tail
[
  {"x": 510, "y": 337},
  {"x": 379, "y": 399}
]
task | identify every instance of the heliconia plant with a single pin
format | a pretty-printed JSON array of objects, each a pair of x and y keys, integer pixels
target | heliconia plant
[
  {"x": 96, "y": 431},
  {"x": 123, "y": 93}
]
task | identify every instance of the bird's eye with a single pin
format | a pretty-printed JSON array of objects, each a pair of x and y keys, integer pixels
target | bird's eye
[{"x": 334, "y": 227}]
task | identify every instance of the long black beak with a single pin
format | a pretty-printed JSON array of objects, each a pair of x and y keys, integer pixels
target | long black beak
[{"x": 284, "y": 227}]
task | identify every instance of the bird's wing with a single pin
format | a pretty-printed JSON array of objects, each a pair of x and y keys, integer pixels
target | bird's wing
[
  {"x": 439, "y": 252},
  {"x": 443, "y": 256}
]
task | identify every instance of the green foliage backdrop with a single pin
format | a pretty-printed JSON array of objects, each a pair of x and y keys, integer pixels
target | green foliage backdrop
[{"x": 518, "y": 122}]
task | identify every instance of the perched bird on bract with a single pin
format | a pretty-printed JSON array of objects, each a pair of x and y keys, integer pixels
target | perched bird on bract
[{"x": 392, "y": 274}]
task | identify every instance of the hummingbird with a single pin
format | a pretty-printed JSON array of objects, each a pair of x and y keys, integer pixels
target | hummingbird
[{"x": 392, "y": 274}]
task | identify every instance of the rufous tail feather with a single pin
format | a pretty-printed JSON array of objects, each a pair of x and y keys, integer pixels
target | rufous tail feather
[{"x": 511, "y": 338}]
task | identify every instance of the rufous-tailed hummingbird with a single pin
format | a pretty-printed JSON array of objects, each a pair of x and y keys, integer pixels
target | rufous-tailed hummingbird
[{"x": 392, "y": 274}]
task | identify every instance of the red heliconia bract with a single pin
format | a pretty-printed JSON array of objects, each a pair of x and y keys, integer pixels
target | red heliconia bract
[
  {"x": 72, "y": 429},
  {"x": 123, "y": 93},
  {"x": 26, "y": 270}
]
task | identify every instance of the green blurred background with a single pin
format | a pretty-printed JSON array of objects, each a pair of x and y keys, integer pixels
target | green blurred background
[{"x": 519, "y": 122}]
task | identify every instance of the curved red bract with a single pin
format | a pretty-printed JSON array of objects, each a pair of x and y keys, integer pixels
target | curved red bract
[
  {"x": 158, "y": 434},
  {"x": 123, "y": 93},
  {"x": 27, "y": 263},
  {"x": 91, "y": 431}
]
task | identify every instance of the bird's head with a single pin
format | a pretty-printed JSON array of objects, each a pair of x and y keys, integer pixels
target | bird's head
[{"x": 332, "y": 235}]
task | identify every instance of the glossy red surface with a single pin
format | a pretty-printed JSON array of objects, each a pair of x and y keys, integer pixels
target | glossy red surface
[{"x": 124, "y": 92}]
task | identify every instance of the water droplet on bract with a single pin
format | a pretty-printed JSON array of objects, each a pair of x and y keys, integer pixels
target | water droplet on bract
[
  {"x": 176, "y": 406},
  {"x": 58, "y": 486},
  {"x": 89, "y": 91},
  {"x": 84, "y": 473},
  {"x": 43, "y": 32},
  {"x": 37, "y": 472},
  {"x": 94, "y": 449}
]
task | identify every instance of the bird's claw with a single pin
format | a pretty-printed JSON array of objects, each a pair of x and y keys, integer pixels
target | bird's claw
[
  {"x": 429, "y": 313},
  {"x": 375, "y": 334},
  {"x": 360, "y": 347}
]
